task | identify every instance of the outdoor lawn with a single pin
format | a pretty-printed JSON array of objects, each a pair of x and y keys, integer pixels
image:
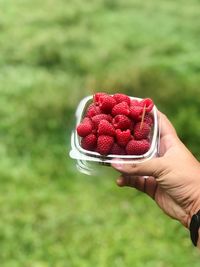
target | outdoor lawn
[{"x": 52, "y": 54}]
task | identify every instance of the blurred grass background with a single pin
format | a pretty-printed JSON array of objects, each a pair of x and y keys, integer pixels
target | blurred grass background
[{"x": 53, "y": 53}]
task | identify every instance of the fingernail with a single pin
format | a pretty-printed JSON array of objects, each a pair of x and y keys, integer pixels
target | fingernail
[{"x": 118, "y": 166}]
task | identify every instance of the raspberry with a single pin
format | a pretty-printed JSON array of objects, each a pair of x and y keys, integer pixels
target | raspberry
[
  {"x": 104, "y": 144},
  {"x": 136, "y": 112},
  {"x": 106, "y": 128},
  {"x": 89, "y": 142},
  {"x": 87, "y": 120},
  {"x": 137, "y": 147},
  {"x": 92, "y": 110},
  {"x": 148, "y": 118},
  {"x": 121, "y": 109},
  {"x": 121, "y": 122},
  {"x": 122, "y": 98},
  {"x": 97, "y": 96},
  {"x": 135, "y": 102},
  {"x": 85, "y": 127},
  {"x": 148, "y": 102},
  {"x": 123, "y": 137},
  {"x": 96, "y": 119},
  {"x": 117, "y": 150},
  {"x": 141, "y": 130},
  {"x": 106, "y": 103}
]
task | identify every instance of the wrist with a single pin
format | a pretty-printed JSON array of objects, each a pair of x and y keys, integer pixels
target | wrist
[
  {"x": 193, "y": 200},
  {"x": 198, "y": 241},
  {"x": 194, "y": 228},
  {"x": 193, "y": 210}
]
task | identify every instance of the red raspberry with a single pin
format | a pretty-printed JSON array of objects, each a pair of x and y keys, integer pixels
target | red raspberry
[
  {"x": 121, "y": 109},
  {"x": 136, "y": 112},
  {"x": 92, "y": 110},
  {"x": 117, "y": 150},
  {"x": 106, "y": 128},
  {"x": 104, "y": 144},
  {"x": 141, "y": 130},
  {"x": 121, "y": 122},
  {"x": 137, "y": 147},
  {"x": 148, "y": 102},
  {"x": 106, "y": 103},
  {"x": 148, "y": 118},
  {"x": 85, "y": 127},
  {"x": 123, "y": 137},
  {"x": 135, "y": 102},
  {"x": 97, "y": 96},
  {"x": 122, "y": 98},
  {"x": 96, "y": 119},
  {"x": 87, "y": 120},
  {"x": 89, "y": 142}
]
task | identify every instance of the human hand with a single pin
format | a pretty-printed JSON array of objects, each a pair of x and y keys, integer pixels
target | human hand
[{"x": 174, "y": 181}]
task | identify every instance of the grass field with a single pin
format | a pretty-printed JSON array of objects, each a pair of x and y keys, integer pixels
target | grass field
[{"x": 53, "y": 53}]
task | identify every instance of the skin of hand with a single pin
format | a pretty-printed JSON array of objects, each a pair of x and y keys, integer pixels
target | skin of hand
[{"x": 174, "y": 181}]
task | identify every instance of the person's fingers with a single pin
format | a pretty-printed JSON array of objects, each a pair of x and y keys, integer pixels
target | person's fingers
[
  {"x": 122, "y": 181},
  {"x": 168, "y": 135},
  {"x": 156, "y": 166},
  {"x": 151, "y": 187},
  {"x": 166, "y": 126},
  {"x": 146, "y": 185},
  {"x": 153, "y": 167}
]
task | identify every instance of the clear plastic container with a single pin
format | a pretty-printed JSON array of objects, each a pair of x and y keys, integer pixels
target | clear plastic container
[{"x": 90, "y": 162}]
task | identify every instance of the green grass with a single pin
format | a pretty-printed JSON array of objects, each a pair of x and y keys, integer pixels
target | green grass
[{"x": 53, "y": 53}]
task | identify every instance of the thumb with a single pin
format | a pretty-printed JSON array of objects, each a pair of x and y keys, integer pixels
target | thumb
[{"x": 153, "y": 167}]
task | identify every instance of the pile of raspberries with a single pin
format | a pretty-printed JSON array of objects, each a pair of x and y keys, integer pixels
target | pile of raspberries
[{"x": 116, "y": 124}]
